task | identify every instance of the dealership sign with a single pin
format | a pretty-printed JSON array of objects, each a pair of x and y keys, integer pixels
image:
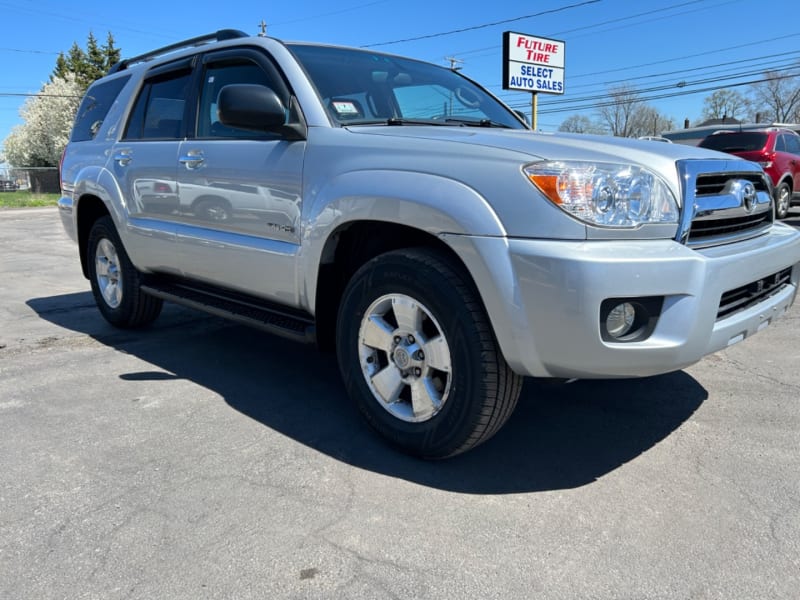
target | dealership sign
[{"x": 533, "y": 64}]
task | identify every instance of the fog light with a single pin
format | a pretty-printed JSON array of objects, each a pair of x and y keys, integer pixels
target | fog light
[{"x": 620, "y": 319}]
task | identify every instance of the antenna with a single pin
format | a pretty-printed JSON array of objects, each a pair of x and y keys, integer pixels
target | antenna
[{"x": 454, "y": 63}]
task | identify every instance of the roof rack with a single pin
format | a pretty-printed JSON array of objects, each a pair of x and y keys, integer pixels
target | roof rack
[{"x": 218, "y": 36}]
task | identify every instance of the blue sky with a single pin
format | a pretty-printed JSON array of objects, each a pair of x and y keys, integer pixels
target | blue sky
[{"x": 647, "y": 44}]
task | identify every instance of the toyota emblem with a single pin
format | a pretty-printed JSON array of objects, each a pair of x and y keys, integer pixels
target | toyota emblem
[{"x": 746, "y": 192}]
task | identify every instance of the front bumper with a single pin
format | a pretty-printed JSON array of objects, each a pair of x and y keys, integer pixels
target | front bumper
[{"x": 544, "y": 297}]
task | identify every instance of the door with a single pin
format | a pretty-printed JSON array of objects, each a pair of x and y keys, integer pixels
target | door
[
  {"x": 792, "y": 143},
  {"x": 239, "y": 191},
  {"x": 145, "y": 162}
]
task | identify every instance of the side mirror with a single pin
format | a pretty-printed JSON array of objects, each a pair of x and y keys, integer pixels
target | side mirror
[
  {"x": 258, "y": 108},
  {"x": 252, "y": 107}
]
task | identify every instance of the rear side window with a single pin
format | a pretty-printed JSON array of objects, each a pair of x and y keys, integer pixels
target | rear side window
[
  {"x": 745, "y": 141},
  {"x": 793, "y": 144},
  {"x": 159, "y": 109},
  {"x": 94, "y": 108}
]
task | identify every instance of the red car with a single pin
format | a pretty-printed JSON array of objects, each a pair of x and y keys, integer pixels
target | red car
[{"x": 776, "y": 150}]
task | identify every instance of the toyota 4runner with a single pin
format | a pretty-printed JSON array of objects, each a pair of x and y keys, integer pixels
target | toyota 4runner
[{"x": 398, "y": 212}]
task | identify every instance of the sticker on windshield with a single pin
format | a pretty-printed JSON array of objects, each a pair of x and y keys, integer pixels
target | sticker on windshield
[{"x": 345, "y": 108}]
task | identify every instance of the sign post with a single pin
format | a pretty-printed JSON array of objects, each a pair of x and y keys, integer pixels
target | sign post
[{"x": 533, "y": 64}]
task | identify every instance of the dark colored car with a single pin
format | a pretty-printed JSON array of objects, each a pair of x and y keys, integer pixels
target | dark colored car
[
  {"x": 6, "y": 185},
  {"x": 776, "y": 150}
]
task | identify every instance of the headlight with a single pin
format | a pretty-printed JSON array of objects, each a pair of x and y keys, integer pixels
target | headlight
[{"x": 605, "y": 194}]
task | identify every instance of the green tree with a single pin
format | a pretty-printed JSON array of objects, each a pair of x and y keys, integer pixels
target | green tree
[
  {"x": 87, "y": 65},
  {"x": 48, "y": 116}
]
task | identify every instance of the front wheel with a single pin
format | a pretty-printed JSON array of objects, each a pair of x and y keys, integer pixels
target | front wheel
[
  {"x": 115, "y": 281},
  {"x": 783, "y": 197},
  {"x": 418, "y": 356}
]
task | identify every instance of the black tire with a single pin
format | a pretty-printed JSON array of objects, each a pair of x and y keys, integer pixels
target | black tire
[
  {"x": 463, "y": 396},
  {"x": 783, "y": 199},
  {"x": 116, "y": 284}
]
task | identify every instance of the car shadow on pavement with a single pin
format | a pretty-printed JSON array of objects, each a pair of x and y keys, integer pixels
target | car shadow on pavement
[
  {"x": 560, "y": 436},
  {"x": 793, "y": 218}
]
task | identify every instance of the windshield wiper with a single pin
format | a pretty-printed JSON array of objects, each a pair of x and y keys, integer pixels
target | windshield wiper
[
  {"x": 394, "y": 121},
  {"x": 476, "y": 122},
  {"x": 404, "y": 121},
  {"x": 447, "y": 121}
]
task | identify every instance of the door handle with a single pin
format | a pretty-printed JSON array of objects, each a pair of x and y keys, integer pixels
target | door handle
[
  {"x": 123, "y": 157},
  {"x": 193, "y": 159}
]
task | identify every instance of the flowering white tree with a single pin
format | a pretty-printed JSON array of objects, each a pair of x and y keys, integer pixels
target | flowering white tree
[{"x": 47, "y": 121}]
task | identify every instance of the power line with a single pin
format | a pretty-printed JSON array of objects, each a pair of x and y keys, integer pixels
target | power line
[
  {"x": 672, "y": 94},
  {"x": 660, "y": 88},
  {"x": 495, "y": 49},
  {"x": 28, "y": 51},
  {"x": 484, "y": 25},
  {"x": 771, "y": 66},
  {"x": 667, "y": 60},
  {"x": 35, "y": 95},
  {"x": 328, "y": 14}
]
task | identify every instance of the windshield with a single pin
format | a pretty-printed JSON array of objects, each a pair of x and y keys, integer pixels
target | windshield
[{"x": 360, "y": 87}]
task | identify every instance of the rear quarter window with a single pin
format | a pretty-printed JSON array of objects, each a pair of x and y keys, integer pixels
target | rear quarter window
[{"x": 94, "y": 107}]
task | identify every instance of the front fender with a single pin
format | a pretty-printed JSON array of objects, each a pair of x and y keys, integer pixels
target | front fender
[{"x": 430, "y": 203}]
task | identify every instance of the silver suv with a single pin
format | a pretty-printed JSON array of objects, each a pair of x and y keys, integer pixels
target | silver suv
[{"x": 398, "y": 212}]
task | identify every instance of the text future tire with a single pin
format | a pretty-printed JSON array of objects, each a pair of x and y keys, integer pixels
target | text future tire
[
  {"x": 783, "y": 197},
  {"x": 418, "y": 355},
  {"x": 115, "y": 281}
]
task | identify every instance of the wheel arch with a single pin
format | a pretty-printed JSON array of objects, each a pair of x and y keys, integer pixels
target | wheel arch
[
  {"x": 89, "y": 209},
  {"x": 788, "y": 180},
  {"x": 352, "y": 245}
]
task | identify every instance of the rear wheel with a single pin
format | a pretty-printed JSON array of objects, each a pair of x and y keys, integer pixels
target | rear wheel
[
  {"x": 783, "y": 196},
  {"x": 418, "y": 355},
  {"x": 116, "y": 284}
]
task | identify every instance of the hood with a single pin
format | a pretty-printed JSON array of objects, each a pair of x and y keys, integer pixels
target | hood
[{"x": 551, "y": 146}]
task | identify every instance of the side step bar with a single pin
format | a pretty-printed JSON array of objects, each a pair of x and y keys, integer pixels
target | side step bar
[{"x": 239, "y": 308}]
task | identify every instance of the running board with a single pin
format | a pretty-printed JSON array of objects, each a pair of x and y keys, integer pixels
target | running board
[{"x": 242, "y": 309}]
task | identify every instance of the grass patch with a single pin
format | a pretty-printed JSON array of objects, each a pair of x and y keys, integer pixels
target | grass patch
[{"x": 27, "y": 199}]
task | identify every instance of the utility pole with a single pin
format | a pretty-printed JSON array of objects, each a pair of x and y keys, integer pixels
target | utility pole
[
  {"x": 454, "y": 63},
  {"x": 263, "y": 27}
]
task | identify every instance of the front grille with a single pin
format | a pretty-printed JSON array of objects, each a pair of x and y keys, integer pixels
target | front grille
[
  {"x": 719, "y": 206},
  {"x": 746, "y": 296},
  {"x": 712, "y": 184},
  {"x": 724, "y": 228}
]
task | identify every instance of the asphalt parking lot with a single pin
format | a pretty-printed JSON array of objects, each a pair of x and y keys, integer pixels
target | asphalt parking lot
[{"x": 201, "y": 459}]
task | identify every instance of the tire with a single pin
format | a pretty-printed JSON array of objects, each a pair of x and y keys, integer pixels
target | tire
[
  {"x": 783, "y": 198},
  {"x": 418, "y": 356},
  {"x": 116, "y": 284}
]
